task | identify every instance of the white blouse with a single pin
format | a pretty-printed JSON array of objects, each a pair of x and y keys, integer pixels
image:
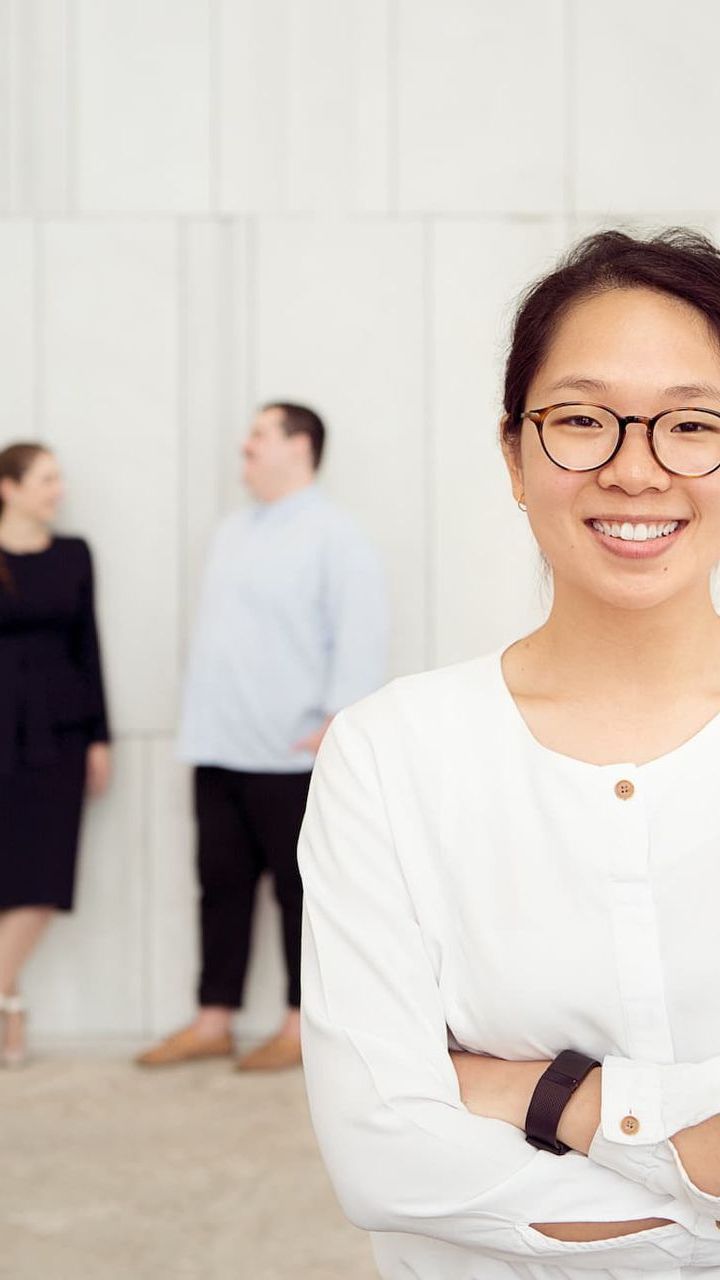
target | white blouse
[{"x": 466, "y": 886}]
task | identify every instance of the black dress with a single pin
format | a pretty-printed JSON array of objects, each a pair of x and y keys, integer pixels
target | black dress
[{"x": 52, "y": 706}]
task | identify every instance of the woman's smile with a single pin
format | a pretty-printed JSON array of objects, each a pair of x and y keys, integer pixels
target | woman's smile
[{"x": 636, "y": 538}]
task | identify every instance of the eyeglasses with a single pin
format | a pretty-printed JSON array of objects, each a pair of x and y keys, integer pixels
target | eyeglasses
[{"x": 584, "y": 437}]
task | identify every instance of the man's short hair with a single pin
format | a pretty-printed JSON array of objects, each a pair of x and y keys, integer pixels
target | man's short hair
[{"x": 298, "y": 420}]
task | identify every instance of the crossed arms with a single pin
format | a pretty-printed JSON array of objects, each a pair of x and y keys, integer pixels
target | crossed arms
[{"x": 502, "y": 1090}]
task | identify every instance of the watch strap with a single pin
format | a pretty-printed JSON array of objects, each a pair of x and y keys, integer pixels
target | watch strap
[{"x": 552, "y": 1093}]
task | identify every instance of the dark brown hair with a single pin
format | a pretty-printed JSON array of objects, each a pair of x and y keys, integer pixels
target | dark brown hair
[
  {"x": 298, "y": 420},
  {"x": 677, "y": 261},
  {"x": 15, "y": 461}
]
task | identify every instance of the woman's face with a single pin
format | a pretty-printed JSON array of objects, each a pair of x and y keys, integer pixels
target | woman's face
[
  {"x": 638, "y": 352},
  {"x": 38, "y": 494}
]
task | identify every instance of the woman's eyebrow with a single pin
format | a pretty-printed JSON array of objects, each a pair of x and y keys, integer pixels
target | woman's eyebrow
[
  {"x": 578, "y": 382},
  {"x": 683, "y": 390},
  {"x": 693, "y": 389}
]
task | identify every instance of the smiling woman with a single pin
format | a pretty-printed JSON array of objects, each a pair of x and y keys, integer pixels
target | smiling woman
[
  {"x": 511, "y": 865},
  {"x": 53, "y": 724}
]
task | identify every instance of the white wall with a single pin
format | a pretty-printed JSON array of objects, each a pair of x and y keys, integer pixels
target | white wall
[{"x": 211, "y": 202}]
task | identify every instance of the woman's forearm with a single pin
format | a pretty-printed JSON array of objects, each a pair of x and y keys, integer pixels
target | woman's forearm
[{"x": 502, "y": 1090}]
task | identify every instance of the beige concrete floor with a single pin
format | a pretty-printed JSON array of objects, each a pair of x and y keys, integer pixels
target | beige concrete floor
[{"x": 193, "y": 1173}]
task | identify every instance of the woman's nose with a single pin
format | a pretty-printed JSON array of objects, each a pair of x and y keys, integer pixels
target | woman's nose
[{"x": 634, "y": 466}]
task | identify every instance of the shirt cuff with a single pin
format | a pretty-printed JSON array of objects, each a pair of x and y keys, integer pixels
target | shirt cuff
[
  {"x": 644, "y": 1103},
  {"x": 660, "y": 1169}
]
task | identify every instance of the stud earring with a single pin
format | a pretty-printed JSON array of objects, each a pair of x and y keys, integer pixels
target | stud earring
[{"x": 522, "y": 505}]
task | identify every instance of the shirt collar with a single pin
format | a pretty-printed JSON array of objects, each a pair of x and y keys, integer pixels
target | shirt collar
[{"x": 291, "y": 502}]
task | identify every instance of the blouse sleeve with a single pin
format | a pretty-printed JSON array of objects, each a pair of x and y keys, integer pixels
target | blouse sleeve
[
  {"x": 662, "y": 1099},
  {"x": 403, "y": 1152},
  {"x": 87, "y": 652}
]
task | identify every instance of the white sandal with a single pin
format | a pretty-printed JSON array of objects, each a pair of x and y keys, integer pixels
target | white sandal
[{"x": 13, "y": 1005}]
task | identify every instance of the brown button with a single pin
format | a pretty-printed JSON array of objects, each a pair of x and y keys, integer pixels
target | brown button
[
  {"x": 624, "y": 789},
  {"x": 629, "y": 1124}
]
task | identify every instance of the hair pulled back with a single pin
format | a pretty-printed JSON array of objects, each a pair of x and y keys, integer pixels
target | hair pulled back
[
  {"x": 676, "y": 261},
  {"x": 15, "y": 461}
]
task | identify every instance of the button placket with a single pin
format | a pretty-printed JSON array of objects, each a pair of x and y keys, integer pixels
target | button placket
[{"x": 635, "y": 931}]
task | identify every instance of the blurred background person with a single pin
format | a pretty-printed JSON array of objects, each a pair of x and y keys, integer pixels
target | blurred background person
[
  {"x": 292, "y": 626},
  {"x": 53, "y": 723}
]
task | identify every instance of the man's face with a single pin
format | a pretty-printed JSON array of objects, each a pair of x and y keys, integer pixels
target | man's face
[{"x": 271, "y": 457}]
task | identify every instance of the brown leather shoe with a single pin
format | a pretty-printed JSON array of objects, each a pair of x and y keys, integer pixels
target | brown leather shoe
[
  {"x": 185, "y": 1046},
  {"x": 274, "y": 1055}
]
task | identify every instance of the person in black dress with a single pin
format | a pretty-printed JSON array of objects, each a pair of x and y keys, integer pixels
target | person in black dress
[{"x": 53, "y": 724}]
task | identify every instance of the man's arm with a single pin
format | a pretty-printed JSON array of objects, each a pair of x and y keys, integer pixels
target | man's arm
[{"x": 356, "y": 616}]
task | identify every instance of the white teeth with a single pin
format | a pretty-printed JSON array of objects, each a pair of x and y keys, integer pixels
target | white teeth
[{"x": 635, "y": 532}]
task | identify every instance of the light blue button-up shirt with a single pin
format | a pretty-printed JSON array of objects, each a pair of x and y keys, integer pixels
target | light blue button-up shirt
[{"x": 292, "y": 626}]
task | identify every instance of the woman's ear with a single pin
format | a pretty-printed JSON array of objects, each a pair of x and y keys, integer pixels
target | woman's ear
[{"x": 510, "y": 443}]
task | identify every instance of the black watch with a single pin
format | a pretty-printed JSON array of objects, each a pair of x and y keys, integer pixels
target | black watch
[{"x": 552, "y": 1093}]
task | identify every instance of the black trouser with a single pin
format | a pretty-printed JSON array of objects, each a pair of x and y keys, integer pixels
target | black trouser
[{"x": 247, "y": 823}]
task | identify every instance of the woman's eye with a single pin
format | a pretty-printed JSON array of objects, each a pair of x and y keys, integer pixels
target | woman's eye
[
  {"x": 690, "y": 427},
  {"x": 580, "y": 420}
]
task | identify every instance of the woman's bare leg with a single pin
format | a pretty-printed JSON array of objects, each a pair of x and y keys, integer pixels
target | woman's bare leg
[{"x": 20, "y": 931}]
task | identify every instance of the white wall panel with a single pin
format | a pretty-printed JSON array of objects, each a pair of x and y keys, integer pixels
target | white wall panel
[
  {"x": 34, "y": 91},
  {"x": 238, "y": 358},
  {"x": 303, "y": 105},
  {"x": 7, "y": 107},
  {"x": 480, "y": 102},
  {"x": 212, "y": 363},
  {"x": 17, "y": 317},
  {"x": 110, "y": 408},
  {"x": 486, "y": 564},
  {"x": 251, "y": 89},
  {"x": 337, "y": 105},
  {"x": 339, "y": 324},
  {"x": 646, "y": 94},
  {"x": 142, "y": 104},
  {"x": 88, "y": 975},
  {"x": 171, "y": 933}
]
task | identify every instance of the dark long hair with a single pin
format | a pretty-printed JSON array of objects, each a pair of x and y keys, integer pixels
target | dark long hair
[
  {"x": 15, "y": 461},
  {"x": 677, "y": 261}
]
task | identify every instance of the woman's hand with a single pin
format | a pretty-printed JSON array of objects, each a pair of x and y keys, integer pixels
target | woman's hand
[
  {"x": 97, "y": 768},
  {"x": 313, "y": 740},
  {"x": 699, "y": 1151}
]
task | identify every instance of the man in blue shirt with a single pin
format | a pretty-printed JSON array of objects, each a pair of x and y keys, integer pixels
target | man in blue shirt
[{"x": 291, "y": 627}]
